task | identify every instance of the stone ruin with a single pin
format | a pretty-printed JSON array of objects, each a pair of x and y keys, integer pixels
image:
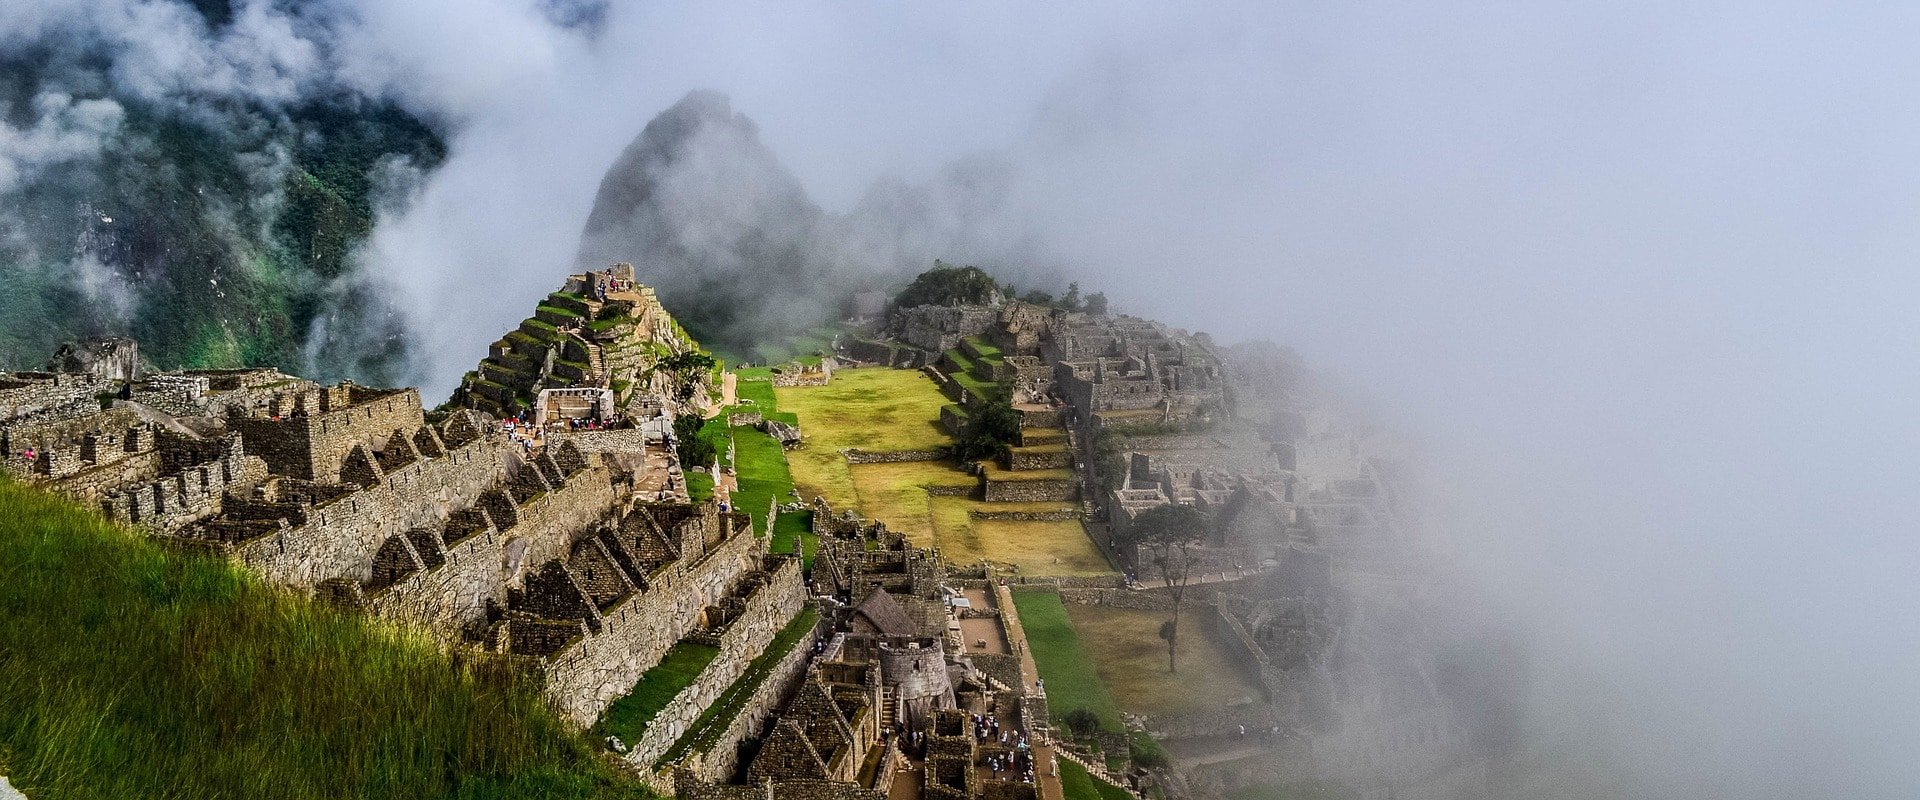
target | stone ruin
[
  {"x": 886, "y": 695},
  {"x": 602, "y": 330},
  {"x": 354, "y": 495}
]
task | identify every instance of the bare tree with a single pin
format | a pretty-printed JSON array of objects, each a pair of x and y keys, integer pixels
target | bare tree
[{"x": 1167, "y": 535}]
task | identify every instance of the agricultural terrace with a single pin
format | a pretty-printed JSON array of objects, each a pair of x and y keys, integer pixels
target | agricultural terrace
[
  {"x": 889, "y": 410},
  {"x": 1063, "y": 660},
  {"x": 870, "y": 408},
  {"x": 1132, "y": 660}
]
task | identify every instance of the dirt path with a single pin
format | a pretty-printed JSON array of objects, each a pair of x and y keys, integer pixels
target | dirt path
[{"x": 728, "y": 398}]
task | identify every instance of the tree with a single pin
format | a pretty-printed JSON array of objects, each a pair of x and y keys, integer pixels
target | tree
[
  {"x": 1167, "y": 535},
  {"x": 947, "y": 285},
  {"x": 990, "y": 428},
  {"x": 693, "y": 450},
  {"x": 1082, "y": 723},
  {"x": 1038, "y": 298},
  {"x": 1097, "y": 303},
  {"x": 1071, "y": 300},
  {"x": 689, "y": 367}
]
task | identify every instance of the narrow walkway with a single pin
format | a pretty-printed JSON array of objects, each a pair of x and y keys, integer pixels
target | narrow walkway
[{"x": 728, "y": 398}]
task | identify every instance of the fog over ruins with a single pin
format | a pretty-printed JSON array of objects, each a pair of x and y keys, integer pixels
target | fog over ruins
[{"x": 1230, "y": 402}]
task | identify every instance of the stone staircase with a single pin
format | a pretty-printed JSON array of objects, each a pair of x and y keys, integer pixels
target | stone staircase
[{"x": 597, "y": 362}]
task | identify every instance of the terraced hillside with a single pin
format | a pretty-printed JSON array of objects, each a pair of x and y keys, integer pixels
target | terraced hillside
[
  {"x": 585, "y": 336},
  {"x": 882, "y": 414}
]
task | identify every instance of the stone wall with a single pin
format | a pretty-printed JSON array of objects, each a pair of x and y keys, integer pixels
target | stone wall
[
  {"x": 721, "y": 759},
  {"x": 1045, "y": 490},
  {"x": 338, "y": 538},
  {"x": 940, "y": 328},
  {"x": 1025, "y": 458},
  {"x": 858, "y": 456},
  {"x": 1040, "y": 418},
  {"x": 628, "y": 440},
  {"x": 595, "y": 670},
  {"x": 767, "y": 611},
  {"x": 1059, "y": 515},
  {"x": 190, "y": 494},
  {"x": 317, "y": 430},
  {"x": 953, "y": 420}
]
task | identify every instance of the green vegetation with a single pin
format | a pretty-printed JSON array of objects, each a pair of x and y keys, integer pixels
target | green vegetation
[
  {"x": 699, "y": 486},
  {"x": 127, "y": 670},
  {"x": 713, "y": 436},
  {"x": 986, "y": 350},
  {"x": 1078, "y": 784},
  {"x": 1126, "y": 649},
  {"x": 871, "y": 408},
  {"x": 608, "y": 323},
  {"x": 753, "y": 387},
  {"x": 948, "y": 285},
  {"x": 714, "y": 720},
  {"x": 990, "y": 430},
  {"x": 1072, "y": 682},
  {"x": 629, "y": 716},
  {"x": 1036, "y": 547},
  {"x": 690, "y": 367},
  {"x": 976, "y": 377},
  {"x": 760, "y": 471},
  {"x": 694, "y": 449}
]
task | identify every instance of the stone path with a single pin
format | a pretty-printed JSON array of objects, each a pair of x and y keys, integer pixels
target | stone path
[{"x": 7, "y": 792}]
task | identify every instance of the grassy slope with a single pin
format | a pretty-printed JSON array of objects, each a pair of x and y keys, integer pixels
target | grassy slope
[
  {"x": 1072, "y": 681},
  {"x": 129, "y": 671},
  {"x": 701, "y": 732},
  {"x": 764, "y": 472},
  {"x": 629, "y": 716},
  {"x": 1077, "y": 784}
]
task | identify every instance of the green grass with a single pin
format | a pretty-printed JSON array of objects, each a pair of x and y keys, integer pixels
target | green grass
[
  {"x": 871, "y": 408},
  {"x": 1078, "y": 784},
  {"x": 791, "y": 527},
  {"x": 1072, "y": 681},
  {"x": 987, "y": 351},
  {"x": 699, "y": 486},
  {"x": 629, "y": 716},
  {"x": 607, "y": 324},
  {"x": 127, "y": 670},
  {"x": 756, "y": 384},
  {"x": 714, "y": 432},
  {"x": 762, "y": 473},
  {"x": 713, "y": 721},
  {"x": 762, "y": 476}
]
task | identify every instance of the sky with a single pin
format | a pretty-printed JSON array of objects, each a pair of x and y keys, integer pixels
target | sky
[{"x": 1641, "y": 277}]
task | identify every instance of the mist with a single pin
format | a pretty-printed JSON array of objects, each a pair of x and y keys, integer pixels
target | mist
[{"x": 1640, "y": 279}]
